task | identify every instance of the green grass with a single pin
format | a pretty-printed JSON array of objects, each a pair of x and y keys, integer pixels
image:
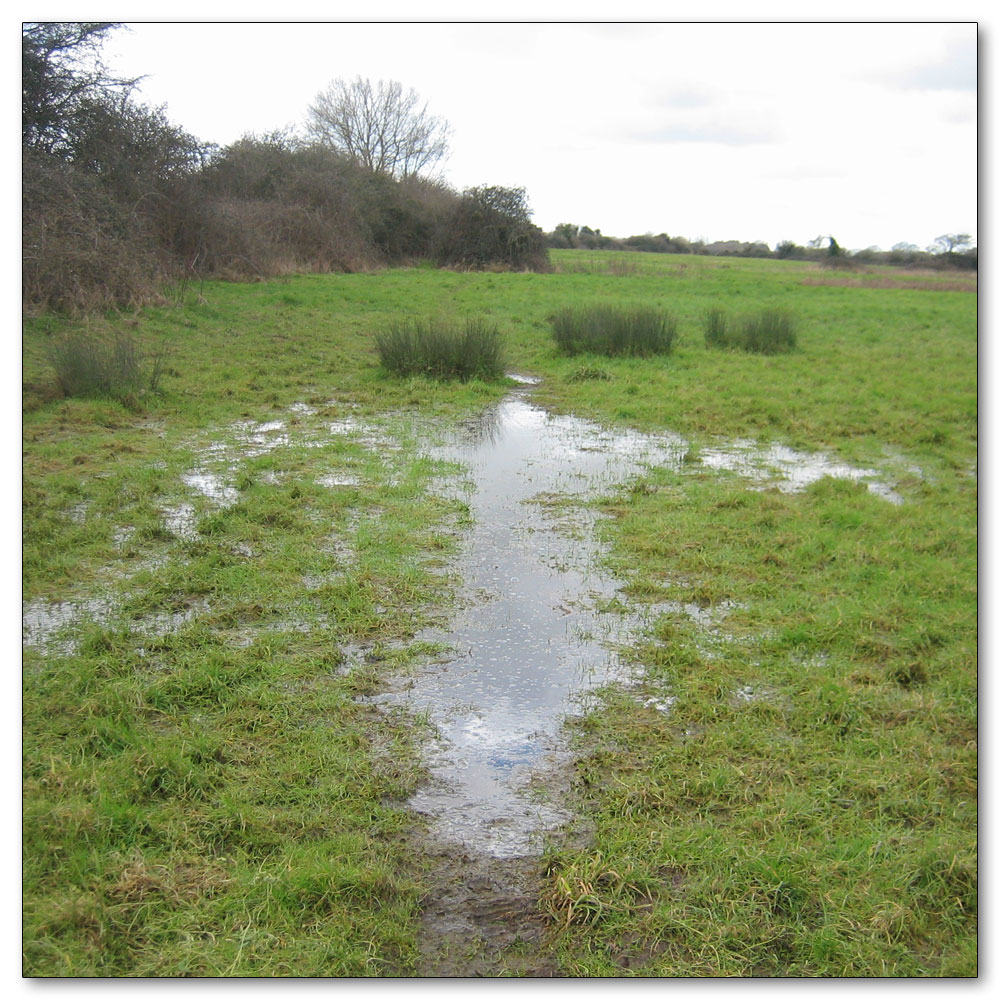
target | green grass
[
  {"x": 207, "y": 796},
  {"x": 825, "y": 827},
  {"x": 214, "y": 781}
]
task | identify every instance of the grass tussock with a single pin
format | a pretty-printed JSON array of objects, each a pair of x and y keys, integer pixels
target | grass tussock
[
  {"x": 636, "y": 331},
  {"x": 114, "y": 366},
  {"x": 442, "y": 349},
  {"x": 590, "y": 373},
  {"x": 770, "y": 331}
]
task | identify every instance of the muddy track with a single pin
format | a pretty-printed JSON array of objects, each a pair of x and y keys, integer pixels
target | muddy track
[
  {"x": 529, "y": 640},
  {"x": 481, "y": 917}
]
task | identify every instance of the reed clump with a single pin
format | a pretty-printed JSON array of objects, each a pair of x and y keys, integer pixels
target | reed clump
[
  {"x": 616, "y": 331},
  {"x": 110, "y": 365},
  {"x": 442, "y": 349},
  {"x": 769, "y": 331}
]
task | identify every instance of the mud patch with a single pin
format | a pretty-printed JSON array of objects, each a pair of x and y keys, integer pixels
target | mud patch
[{"x": 481, "y": 917}]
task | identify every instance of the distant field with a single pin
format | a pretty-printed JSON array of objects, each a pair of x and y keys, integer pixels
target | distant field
[{"x": 206, "y": 795}]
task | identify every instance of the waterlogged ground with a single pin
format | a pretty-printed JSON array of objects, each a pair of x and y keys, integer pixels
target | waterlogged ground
[
  {"x": 540, "y": 625},
  {"x": 525, "y": 465},
  {"x": 530, "y": 638},
  {"x": 254, "y": 612},
  {"x": 542, "y": 619}
]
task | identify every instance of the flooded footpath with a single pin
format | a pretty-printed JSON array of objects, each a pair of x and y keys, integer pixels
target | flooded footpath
[
  {"x": 530, "y": 638},
  {"x": 540, "y": 624},
  {"x": 529, "y": 641}
]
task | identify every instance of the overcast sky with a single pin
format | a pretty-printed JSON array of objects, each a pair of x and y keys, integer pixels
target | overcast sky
[{"x": 754, "y": 131}]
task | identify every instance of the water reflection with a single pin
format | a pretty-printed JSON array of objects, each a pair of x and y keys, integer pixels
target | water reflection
[
  {"x": 529, "y": 639},
  {"x": 790, "y": 470}
]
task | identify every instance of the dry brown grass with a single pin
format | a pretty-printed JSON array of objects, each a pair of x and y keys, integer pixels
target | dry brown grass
[
  {"x": 177, "y": 882},
  {"x": 929, "y": 281}
]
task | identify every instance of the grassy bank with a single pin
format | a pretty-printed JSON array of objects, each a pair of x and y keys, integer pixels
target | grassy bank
[{"x": 205, "y": 791}]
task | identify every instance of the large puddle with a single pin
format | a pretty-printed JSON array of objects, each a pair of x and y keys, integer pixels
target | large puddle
[{"x": 530, "y": 638}]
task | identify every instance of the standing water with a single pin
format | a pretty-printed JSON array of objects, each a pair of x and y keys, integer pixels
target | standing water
[{"x": 530, "y": 638}]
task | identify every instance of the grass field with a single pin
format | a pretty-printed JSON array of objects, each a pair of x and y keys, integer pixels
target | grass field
[{"x": 205, "y": 794}]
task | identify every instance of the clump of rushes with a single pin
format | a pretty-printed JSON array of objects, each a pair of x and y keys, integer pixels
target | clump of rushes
[
  {"x": 716, "y": 328},
  {"x": 98, "y": 365},
  {"x": 442, "y": 349},
  {"x": 614, "y": 330},
  {"x": 769, "y": 331}
]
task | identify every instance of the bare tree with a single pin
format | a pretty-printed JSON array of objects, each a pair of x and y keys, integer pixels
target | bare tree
[{"x": 381, "y": 126}]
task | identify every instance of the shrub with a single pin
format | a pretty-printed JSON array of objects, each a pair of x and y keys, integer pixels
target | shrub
[
  {"x": 769, "y": 331},
  {"x": 96, "y": 365},
  {"x": 81, "y": 248},
  {"x": 442, "y": 349},
  {"x": 492, "y": 226},
  {"x": 614, "y": 330}
]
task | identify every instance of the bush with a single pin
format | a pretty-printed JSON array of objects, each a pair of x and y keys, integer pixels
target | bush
[
  {"x": 113, "y": 366},
  {"x": 117, "y": 202},
  {"x": 614, "y": 331},
  {"x": 769, "y": 331},
  {"x": 81, "y": 249},
  {"x": 442, "y": 349},
  {"x": 491, "y": 227}
]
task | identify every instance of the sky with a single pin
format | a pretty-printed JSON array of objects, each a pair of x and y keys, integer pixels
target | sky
[{"x": 749, "y": 131}]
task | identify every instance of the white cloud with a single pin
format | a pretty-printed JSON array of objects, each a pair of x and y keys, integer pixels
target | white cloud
[
  {"x": 953, "y": 69},
  {"x": 710, "y": 130}
]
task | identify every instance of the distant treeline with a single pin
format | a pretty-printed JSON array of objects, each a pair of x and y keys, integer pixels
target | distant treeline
[
  {"x": 117, "y": 201},
  {"x": 952, "y": 251}
]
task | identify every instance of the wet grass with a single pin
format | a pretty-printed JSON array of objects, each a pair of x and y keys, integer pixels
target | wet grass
[
  {"x": 817, "y": 764},
  {"x": 204, "y": 795},
  {"x": 204, "y": 792}
]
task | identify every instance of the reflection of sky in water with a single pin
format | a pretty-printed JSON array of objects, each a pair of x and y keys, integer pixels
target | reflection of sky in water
[
  {"x": 528, "y": 642},
  {"x": 791, "y": 470},
  {"x": 519, "y": 653}
]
